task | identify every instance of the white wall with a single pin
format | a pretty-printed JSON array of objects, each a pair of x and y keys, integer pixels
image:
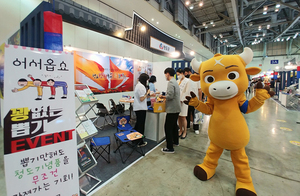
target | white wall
[{"x": 266, "y": 63}]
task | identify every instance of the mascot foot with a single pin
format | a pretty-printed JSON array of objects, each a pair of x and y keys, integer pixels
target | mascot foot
[
  {"x": 245, "y": 189},
  {"x": 203, "y": 173}
]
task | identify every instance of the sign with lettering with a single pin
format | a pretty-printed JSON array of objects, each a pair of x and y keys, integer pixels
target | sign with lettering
[
  {"x": 40, "y": 151},
  {"x": 159, "y": 45},
  {"x": 274, "y": 61}
]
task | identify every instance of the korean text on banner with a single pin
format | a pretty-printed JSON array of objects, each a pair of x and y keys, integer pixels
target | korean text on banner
[{"x": 39, "y": 138}]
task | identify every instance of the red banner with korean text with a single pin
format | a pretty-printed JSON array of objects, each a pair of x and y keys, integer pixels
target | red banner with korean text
[{"x": 39, "y": 122}]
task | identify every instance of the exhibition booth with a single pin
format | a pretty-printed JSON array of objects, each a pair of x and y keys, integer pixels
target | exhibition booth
[{"x": 67, "y": 112}]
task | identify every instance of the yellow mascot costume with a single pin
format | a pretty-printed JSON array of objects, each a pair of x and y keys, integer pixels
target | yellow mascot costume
[{"x": 224, "y": 80}]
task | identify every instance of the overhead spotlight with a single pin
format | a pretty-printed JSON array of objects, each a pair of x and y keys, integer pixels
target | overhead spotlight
[
  {"x": 201, "y": 3},
  {"x": 264, "y": 34},
  {"x": 250, "y": 24},
  {"x": 277, "y": 67},
  {"x": 276, "y": 10},
  {"x": 268, "y": 26},
  {"x": 295, "y": 35},
  {"x": 221, "y": 36},
  {"x": 261, "y": 39},
  {"x": 152, "y": 19},
  {"x": 204, "y": 24},
  {"x": 212, "y": 22},
  {"x": 277, "y": 5},
  {"x": 226, "y": 40},
  {"x": 175, "y": 54},
  {"x": 265, "y": 8},
  {"x": 143, "y": 28},
  {"x": 191, "y": 7},
  {"x": 192, "y": 53},
  {"x": 119, "y": 34},
  {"x": 157, "y": 22},
  {"x": 278, "y": 39},
  {"x": 255, "y": 40},
  {"x": 221, "y": 41},
  {"x": 187, "y": 3},
  {"x": 213, "y": 25},
  {"x": 259, "y": 27},
  {"x": 287, "y": 39},
  {"x": 215, "y": 36},
  {"x": 264, "y": 13},
  {"x": 282, "y": 39},
  {"x": 256, "y": 34}
]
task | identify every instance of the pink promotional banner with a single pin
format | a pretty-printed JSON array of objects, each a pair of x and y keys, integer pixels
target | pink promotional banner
[{"x": 39, "y": 123}]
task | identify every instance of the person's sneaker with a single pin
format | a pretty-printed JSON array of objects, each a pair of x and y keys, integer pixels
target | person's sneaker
[
  {"x": 165, "y": 150},
  {"x": 197, "y": 132},
  {"x": 141, "y": 145},
  {"x": 176, "y": 144}
]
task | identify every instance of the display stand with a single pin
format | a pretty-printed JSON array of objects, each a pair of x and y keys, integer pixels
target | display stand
[
  {"x": 86, "y": 161},
  {"x": 86, "y": 98}
]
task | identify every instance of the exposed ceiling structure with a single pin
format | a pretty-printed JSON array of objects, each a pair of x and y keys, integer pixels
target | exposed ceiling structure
[{"x": 243, "y": 22}]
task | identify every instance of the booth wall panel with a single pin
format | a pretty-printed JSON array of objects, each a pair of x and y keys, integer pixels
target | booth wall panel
[
  {"x": 93, "y": 41},
  {"x": 81, "y": 37}
]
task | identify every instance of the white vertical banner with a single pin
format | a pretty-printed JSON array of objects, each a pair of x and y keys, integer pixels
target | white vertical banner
[{"x": 39, "y": 123}]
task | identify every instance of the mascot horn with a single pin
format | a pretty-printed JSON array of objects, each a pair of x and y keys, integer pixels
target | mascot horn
[{"x": 224, "y": 80}]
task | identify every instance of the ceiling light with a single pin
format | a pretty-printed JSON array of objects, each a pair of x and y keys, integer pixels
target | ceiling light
[
  {"x": 264, "y": 34},
  {"x": 226, "y": 40},
  {"x": 260, "y": 39},
  {"x": 213, "y": 25},
  {"x": 264, "y": 13},
  {"x": 256, "y": 34},
  {"x": 152, "y": 19},
  {"x": 204, "y": 24},
  {"x": 252, "y": 43},
  {"x": 215, "y": 36},
  {"x": 191, "y": 7},
  {"x": 157, "y": 22},
  {"x": 187, "y": 3},
  {"x": 295, "y": 35},
  {"x": 255, "y": 40},
  {"x": 287, "y": 39},
  {"x": 250, "y": 24},
  {"x": 201, "y": 3},
  {"x": 211, "y": 22},
  {"x": 268, "y": 26},
  {"x": 178, "y": 36},
  {"x": 143, "y": 28},
  {"x": 277, "y": 67},
  {"x": 278, "y": 39},
  {"x": 221, "y": 41},
  {"x": 282, "y": 39},
  {"x": 192, "y": 53},
  {"x": 206, "y": 27},
  {"x": 119, "y": 34},
  {"x": 276, "y": 10},
  {"x": 265, "y": 8},
  {"x": 221, "y": 36},
  {"x": 175, "y": 54},
  {"x": 277, "y": 5},
  {"x": 259, "y": 27}
]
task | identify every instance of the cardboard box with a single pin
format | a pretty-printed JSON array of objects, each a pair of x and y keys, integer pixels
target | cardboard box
[{"x": 159, "y": 107}]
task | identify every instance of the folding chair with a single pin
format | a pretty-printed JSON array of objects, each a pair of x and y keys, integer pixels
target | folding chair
[
  {"x": 99, "y": 145},
  {"x": 123, "y": 123},
  {"x": 114, "y": 107},
  {"x": 103, "y": 112},
  {"x": 121, "y": 139}
]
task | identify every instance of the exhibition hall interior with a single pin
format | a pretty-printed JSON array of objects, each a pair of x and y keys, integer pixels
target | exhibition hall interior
[{"x": 150, "y": 97}]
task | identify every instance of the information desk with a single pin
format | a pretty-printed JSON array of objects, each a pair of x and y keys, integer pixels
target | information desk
[{"x": 155, "y": 126}]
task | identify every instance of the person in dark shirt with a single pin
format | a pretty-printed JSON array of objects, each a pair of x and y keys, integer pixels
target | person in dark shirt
[{"x": 272, "y": 85}]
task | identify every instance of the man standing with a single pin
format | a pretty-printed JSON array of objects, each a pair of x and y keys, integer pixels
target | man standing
[{"x": 173, "y": 109}]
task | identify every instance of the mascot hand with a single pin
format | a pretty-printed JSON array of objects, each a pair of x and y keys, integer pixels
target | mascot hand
[
  {"x": 192, "y": 101},
  {"x": 263, "y": 93}
]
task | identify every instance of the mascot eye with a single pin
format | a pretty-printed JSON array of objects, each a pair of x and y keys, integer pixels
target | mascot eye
[
  {"x": 233, "y": 75},
  {"x": 209, "y": 79}
]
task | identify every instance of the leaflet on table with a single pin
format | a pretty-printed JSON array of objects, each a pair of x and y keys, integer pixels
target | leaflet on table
[
  {"x": 86, "y": 95},
  {"x": 39, "y": 137}
]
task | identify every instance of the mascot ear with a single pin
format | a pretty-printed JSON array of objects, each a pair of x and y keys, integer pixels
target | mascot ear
[
  {"x": 253, "y": 70},
  {"x": 195, "y": 77}
]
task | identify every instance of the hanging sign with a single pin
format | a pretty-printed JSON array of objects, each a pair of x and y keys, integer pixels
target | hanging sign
[
  {"x": 159, "y": 45},
  {"x": 40, "y": 152},
  {"x": 274, "y": 61}
]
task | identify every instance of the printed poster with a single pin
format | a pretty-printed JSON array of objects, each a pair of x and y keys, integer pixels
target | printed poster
[
  {"x": 103, "y": 74},
  {"x": 142, "y": 67},
  {"x": 40, "y": 151}
]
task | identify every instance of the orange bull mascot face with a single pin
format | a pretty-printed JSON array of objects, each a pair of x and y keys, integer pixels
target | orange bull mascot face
[{"x": 224, "y": 76}]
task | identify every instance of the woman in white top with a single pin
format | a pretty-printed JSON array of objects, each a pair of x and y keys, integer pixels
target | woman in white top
[
  {"x": 183, "y": 83},
  {"x": 140, "y": 105}
]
